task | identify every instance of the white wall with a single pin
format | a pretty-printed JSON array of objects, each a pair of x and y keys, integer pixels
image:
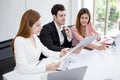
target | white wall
[
  {"x": 44, "y": 8},
  {"x": 10, "y": 14},
  {"x": 75, "y": 8},
  {"x": 12, "y": 10}
]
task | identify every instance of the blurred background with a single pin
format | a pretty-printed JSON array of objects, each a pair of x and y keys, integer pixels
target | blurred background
[{"x": 105, "y": 14}]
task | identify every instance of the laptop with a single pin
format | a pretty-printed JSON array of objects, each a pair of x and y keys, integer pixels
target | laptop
[
  {"x": 116, "y": 42},
  {"x": 112, "y": 42},
  {"x": 71, "y": 74}
]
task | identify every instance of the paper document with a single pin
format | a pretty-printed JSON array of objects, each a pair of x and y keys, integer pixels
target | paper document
[{"x": 84, "y": 42}]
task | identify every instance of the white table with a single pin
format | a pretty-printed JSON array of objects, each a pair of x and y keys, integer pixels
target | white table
[{"x": 102, "y": 65}]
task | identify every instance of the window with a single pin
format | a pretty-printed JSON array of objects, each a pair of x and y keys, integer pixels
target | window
[
  {"x": 100, "y": 15},
  {"x": 108, "y": 16},
  {"x": 113, "y": 17}
]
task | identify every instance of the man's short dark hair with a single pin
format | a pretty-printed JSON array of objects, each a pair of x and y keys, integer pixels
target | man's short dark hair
[{"x": 56, "y": 8}]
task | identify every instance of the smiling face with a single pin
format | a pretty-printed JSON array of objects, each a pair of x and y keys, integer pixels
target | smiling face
[
  {"x": 60, "y": 17},
  {"x": 84, "y": 19},
  {"x": 36, "y": 28}
]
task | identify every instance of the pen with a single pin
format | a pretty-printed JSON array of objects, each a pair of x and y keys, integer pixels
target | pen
[
  {"x": 66, "y": 29},
  {"x": 38, "y": 62},
  {"x": 58, "y": 70},
  {"x": 67, "y": 49}
]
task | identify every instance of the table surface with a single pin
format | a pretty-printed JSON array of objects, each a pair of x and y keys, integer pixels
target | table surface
[{"x": 102, "y": 65}]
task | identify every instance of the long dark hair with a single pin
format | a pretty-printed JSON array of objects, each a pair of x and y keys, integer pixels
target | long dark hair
[{"x": 78, "y": 24}]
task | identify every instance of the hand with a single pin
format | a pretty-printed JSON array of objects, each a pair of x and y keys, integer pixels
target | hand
[
  {"x": 98, "y": 39},
  {"x": 102, "y": 47},
  {"x": 64, "y": 51},
  {"x": 68, "y": 32},
  {"x": 52, "y": 66}
]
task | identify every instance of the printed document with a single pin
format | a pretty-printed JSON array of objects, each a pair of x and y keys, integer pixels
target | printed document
[{"x": 84, "y": 42}]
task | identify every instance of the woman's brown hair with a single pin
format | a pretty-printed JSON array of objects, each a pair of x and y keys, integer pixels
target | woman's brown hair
[
  {"x": 78, "y": 24},
  {"x": 27, "y": 20}
]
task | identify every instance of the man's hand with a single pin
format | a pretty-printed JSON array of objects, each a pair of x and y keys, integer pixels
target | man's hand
[
  {"x": 64, "y": 51},
  {"x": 68, "y": 32}
]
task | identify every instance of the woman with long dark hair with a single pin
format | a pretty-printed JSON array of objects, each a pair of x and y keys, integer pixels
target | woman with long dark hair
[{"x": 84, "y": 28}]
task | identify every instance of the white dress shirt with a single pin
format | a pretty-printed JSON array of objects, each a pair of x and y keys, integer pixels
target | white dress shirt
[
  {"x": 27, "y": 56},
  {"x": 59, "y": 29}
]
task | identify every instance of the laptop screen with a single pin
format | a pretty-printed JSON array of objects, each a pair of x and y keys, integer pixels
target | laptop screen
[
  {"x": 71, "y": 74},
  {"x": 117, "y": 40}
]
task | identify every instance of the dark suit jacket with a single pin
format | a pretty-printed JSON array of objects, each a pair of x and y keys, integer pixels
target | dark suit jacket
[{"x": 50, "y": 38}]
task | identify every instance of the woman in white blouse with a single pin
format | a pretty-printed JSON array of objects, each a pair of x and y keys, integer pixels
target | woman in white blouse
[{"x": 27, "y": 46}]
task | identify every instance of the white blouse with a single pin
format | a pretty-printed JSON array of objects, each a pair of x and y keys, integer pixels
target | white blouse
[{"x": 27, "y": 56}]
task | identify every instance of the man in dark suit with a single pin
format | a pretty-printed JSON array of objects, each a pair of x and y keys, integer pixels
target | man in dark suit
[{"x": 54, "y": 35}]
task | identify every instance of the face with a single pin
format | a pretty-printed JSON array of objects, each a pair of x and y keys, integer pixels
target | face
[
  {"x": 60, "y": 17},
  {"x": 84, "y": 19},
  {"x": 36, "y": 28}
]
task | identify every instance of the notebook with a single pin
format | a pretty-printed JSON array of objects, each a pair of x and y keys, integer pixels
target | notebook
[{"x": 71, "y": 74}]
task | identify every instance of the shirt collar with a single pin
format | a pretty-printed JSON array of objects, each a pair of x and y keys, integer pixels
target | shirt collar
[{"x": 60, "y": 29}]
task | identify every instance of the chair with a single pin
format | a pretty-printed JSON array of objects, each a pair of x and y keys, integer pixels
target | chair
[
  {"x": 6, "y": 57},
  {"x": 1, "y": 77}
]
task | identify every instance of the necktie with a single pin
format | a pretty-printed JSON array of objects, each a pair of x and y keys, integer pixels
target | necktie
[{"x": 63, "y": 32}]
